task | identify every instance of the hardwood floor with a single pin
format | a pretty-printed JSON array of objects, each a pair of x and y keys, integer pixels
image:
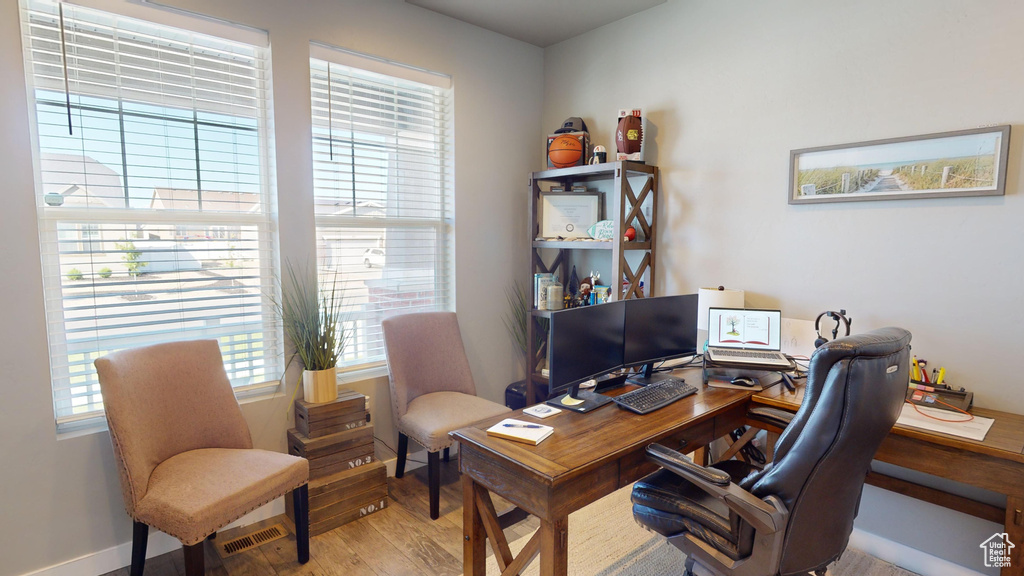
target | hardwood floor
[{"x": 400, "y": 540}]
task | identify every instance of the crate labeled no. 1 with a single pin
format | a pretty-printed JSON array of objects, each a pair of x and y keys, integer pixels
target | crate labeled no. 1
[
  {"x": 345, "y": 496},
  {"x": 363, "y": 505}
]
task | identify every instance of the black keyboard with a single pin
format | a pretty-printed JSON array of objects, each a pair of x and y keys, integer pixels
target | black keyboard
[{"x": 659, "y": 395}]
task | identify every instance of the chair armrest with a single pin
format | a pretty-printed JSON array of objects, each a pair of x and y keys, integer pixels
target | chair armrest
[
  {"x": 773, "y": 416},
  {"x": 683, "y": 466},
  {"x": 760, "y": 514}
]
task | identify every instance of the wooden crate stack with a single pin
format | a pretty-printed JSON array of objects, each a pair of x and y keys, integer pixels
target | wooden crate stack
[{"x": 346, "y": 482}]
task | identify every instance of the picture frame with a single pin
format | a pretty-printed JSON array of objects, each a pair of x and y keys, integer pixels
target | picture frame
[
  {"x": 568, "y": 214},
  {"x": 945, "y": 164}
]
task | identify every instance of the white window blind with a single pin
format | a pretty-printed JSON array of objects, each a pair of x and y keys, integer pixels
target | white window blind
[
  {"x": 382, "y": 186},
  {"x": 154, "y": 204}
]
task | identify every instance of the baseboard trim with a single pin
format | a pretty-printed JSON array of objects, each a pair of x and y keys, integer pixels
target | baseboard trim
[
  {"x": 159, "y": 543},
  {"x": 906, "y": 557}
]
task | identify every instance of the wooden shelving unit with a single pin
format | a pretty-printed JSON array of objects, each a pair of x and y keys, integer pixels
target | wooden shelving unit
[{"x": 625, "y": 203}]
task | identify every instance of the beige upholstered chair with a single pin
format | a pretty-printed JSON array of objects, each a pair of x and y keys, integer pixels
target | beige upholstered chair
[
  {"x": 432, "y": 389},
  {"x": 183, "y": 449}
]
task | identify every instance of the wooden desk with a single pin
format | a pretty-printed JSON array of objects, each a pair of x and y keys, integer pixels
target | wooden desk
[
  {"x": 995, "y": 464},
  {"x": 587, "y": 457}
]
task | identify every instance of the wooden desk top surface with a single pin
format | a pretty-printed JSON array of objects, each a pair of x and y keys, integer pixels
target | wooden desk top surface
[
  {"x": 582, "y": 442},
  {"x": 1005, "y": 440}
]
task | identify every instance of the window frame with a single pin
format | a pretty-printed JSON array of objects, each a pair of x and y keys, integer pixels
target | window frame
[
  {"x": 442, "y": 227},
  {"x": 87, "y": 222}
]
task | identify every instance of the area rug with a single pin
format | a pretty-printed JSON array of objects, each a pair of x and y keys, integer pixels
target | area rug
[{"x": 605, "y": 541}]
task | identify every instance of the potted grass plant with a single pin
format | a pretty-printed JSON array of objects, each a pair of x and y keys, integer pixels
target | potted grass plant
[
  {"x": 312, "y": 314},
  {"x": 517, "y": 318}
]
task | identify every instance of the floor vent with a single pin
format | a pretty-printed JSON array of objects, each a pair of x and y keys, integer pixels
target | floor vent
[{"x": 259, "y": 538}]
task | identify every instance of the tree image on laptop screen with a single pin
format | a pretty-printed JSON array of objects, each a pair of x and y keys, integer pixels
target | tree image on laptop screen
[
  {"x": 732, "y": 321},
  {"x": 747, "y": 328}
]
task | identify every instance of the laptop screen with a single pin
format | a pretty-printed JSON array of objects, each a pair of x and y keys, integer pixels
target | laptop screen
[{"x": 747, "y": 329}]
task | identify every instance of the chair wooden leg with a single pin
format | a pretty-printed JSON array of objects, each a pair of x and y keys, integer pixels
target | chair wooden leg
[
  {"x": 434, "y": 482},
  {"x": 300, "y": 500},
  {"x": 446, "y": 454},
  {"x": 195, "y": 562},
  {"x": 140, "y": 536},
  {"x": 403, "y": 448}
]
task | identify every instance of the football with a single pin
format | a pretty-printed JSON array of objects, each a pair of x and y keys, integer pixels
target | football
[{"x": 630, "y": 135}]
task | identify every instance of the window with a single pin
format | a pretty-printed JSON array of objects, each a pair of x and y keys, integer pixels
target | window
[
  {"x": 154, "y": 204},
  {"x": 382, "y": 188}
]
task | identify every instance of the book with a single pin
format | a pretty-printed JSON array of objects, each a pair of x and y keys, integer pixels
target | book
[{"x": 520, "y": 431}]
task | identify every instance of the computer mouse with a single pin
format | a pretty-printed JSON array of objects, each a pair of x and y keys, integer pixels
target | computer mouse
[{"x": 742, "y": 381}]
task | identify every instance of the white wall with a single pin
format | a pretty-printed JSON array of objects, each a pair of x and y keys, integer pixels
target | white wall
[
  {"x": 732, "y": 87},
  {"x": 59, "y": 498}
]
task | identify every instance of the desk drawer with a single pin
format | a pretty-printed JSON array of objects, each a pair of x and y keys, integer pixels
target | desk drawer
[
  {"x": 635, "y": 465},
  {"x": 729, "y": 421},
  {"x": 694, "y": 437}
]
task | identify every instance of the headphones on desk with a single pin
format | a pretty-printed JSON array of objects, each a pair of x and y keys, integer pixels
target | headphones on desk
[{"x": 841, "y": 320}]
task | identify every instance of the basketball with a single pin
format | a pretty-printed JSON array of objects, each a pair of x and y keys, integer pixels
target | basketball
[{"x": 565, "y": 151}]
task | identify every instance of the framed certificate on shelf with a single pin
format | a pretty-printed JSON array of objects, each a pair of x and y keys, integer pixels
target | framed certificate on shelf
[{"x": 568, "y": 214}]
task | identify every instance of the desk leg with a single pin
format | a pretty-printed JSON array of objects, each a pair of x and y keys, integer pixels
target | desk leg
[
  {"x": 474, "y": 540},
  {"x": 769, "y": 447},
  {"x": 554, "y": 547},
  {"x": 700, "y": 456},
  {"x": 1015, "y": 530}
]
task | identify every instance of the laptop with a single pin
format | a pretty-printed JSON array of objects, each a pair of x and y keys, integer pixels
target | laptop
[{"x": 748, "y": 337}]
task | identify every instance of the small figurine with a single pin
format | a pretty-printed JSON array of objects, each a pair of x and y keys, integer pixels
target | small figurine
[
  {"x": 586, "y": 285},
  {"x": 573, "y": 289},
  {"x": 585, "y": 294}
]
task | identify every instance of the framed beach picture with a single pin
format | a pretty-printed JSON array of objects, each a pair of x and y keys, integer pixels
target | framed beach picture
[{"x": 961, "y": 163}]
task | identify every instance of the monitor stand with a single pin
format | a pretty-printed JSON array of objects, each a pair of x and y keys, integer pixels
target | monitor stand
[
  {"x": 579, "y": 401},
  {"x": 648, "y": 376}
]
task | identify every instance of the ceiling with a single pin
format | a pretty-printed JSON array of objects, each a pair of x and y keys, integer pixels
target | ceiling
[{"x": 538, "y": 22}]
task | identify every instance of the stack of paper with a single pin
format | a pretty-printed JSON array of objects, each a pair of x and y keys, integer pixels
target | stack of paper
[
  {"x": 520, "y": 431},
  {"x": 934, "y": 419}
]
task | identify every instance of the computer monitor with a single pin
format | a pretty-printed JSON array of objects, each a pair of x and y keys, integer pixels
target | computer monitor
[
  {"x": 583, "y": 343},
  {"x": 658, "y": 329}
]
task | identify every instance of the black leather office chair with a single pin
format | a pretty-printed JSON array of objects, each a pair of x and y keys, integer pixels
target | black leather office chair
[{"x": 796, "y": 515}]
